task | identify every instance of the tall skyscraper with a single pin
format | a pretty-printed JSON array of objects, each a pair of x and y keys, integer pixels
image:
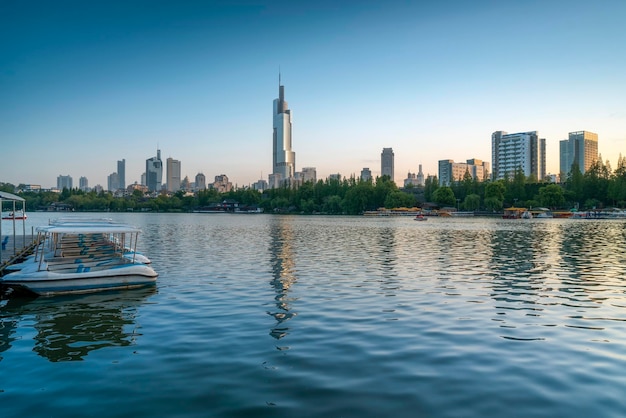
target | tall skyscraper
[
  {"x": 581, "y": 148},
  {"x": 64, "y": 182},
  {"x": 121, "y": 174},
  {"x": 386, "y": 163},
  {"x": 284, "y": 159},
  {"x": 154, "y": 172},
  {"x": 173, "y": 175},
  {"x": 524, "y": 150}
]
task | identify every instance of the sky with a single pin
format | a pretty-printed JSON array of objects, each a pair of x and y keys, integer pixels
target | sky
[{"x": 84, "y": 84}]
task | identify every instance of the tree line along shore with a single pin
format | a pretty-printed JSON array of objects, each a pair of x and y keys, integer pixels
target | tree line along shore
[{"x": 599, "y": 187}]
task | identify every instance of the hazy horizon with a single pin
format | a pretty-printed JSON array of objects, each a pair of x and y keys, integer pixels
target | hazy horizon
[{"x": 85, "y": 84}]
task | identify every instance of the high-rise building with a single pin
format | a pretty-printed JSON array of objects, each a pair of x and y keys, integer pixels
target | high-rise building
[
  {"x": 222, "y": 184},
  {"x": 64, "y": 182},
  {"x": 113, "y": 182},
  {"x": 173, "y": 175},
  {"x": 284, "y": 159},
  {"x": 154, "y": 172},
  {"x": 83, "y": 184},
  {"x": 524, "y": 150},
  {"x": 450, "y": 171},
  {"x": 386, "y": 163},
  {"x": 366, "y": 174},
  {"x": 200, "y": 181},
  {"x": 121, "y": 174},
  {"x": 581, "y": 148}
]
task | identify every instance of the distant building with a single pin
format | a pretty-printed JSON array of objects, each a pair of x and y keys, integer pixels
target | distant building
[
  {"x": 141, "y": 187},
  {"x": 200, "y": 181},
  {"x": 524, "y": 150},
  {"x": 581, "y": 148},
  {"x": 283, "y": 157},
  {"x": 83, "y": 184},
  {"x": 185, "y": 184},
  {"x": 260, "y": 185},
  {"x": 154, "y": 172},
  {"x": 64, "y": 182},
  {"x": 386, "y": 163},
  {"x": 121, "y": 174},
  {"x": 410, "y": 180},
  {"x": 449, "y": 171},
  {"x": 173, "y": 175},
  {"x": 221, "y": 184},
  {"x": 366, "y": 174},
  {"x": 113, "y": 182},
  {"x": 334, "y": 177},
  {"x": 309, "y": 174}
]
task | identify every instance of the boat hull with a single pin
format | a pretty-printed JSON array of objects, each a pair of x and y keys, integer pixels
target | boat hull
[{"x": 47, "y": 283}]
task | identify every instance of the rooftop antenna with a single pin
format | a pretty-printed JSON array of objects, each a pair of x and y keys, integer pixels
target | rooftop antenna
[{"x": 279, "y": 75}]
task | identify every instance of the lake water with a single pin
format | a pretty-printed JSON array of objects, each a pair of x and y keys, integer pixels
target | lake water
[{"x": 312, "y": 316}]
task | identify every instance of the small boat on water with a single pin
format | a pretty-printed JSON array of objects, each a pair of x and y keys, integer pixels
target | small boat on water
[
  {"x": 83, "y": 256},
  {"x": 17, "y": 215},
  {"x": 420, "y": 217}
]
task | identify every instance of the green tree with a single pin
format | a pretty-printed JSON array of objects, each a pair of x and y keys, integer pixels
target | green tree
[
  {"x": 398, "y": 199},
  {"x": 471, "y": 202},
  {"x": 551, "y": 196},
  {"x": 444, "y": 196}
]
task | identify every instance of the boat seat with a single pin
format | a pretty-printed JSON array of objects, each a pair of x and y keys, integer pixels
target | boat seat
[{"x": 4, "y": 242}]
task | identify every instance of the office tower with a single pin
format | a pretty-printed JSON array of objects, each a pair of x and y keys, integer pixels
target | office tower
[
  {"x": 64, "y": 182},
  {"x": 386, "y": 163},
  {"x": 173, "y": 175},
  {"x": 449, "y": 171},
  {"x": 121, "y": 174},
  {"x": 83, "y": 184},
  {"x": 200, "y": 181},
  {"x": 154, "y": 172},
  {"x": 113, "y": 182},
  {"x": 524, "y": 150},
  {"x": 366, "y": 174},
  {"x": 284, "y": 159},
  {"x": 581, "y": 148}
]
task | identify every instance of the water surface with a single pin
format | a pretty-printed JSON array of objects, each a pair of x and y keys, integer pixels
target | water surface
[{"x": 259, "y": 315}]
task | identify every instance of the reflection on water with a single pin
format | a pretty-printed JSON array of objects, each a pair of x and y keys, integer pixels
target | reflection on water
[
  {"x": 282, "y": 259},
  {"x": 70, "y": 327}
]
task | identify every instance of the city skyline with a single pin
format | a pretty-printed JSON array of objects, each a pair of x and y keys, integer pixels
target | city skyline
[{"x": 85, "y": 84}]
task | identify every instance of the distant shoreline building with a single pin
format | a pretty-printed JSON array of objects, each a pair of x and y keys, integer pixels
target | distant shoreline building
[
  {"x": 121, "y": 174},
  {"x": 283, "y": 157},
  {"x": 173, "y": 175},
  {"x": 449, "y": 171},
  {"x": 386, "y": 163},
  {"x": 581, "y": 148},
  {"x": 154, "y": 172},
  {"x": 64, "y": 182},
  {"x": 366, "y": 174},
  {"x": 523, "y": 150}
]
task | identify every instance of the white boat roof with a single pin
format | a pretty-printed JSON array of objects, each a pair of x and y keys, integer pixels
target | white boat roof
[{"x": 87, "y": 227}]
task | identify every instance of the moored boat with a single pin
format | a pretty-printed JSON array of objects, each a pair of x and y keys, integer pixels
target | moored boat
[
  {"x": 17, "y": 215},
  {"x": 83, "y": 257}
]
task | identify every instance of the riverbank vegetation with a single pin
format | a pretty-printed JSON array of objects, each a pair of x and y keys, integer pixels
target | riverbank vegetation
[{"x": 598, "y": 187}]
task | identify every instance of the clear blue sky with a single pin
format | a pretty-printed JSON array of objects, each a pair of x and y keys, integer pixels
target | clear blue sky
[{"x": 86, "y": 83}]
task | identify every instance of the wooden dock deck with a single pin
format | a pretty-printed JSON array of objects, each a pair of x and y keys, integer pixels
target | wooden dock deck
[{"x": 15, "y": 246}]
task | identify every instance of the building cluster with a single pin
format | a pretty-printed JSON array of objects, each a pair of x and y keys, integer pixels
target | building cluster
[{"x": 510, "y": 153}]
